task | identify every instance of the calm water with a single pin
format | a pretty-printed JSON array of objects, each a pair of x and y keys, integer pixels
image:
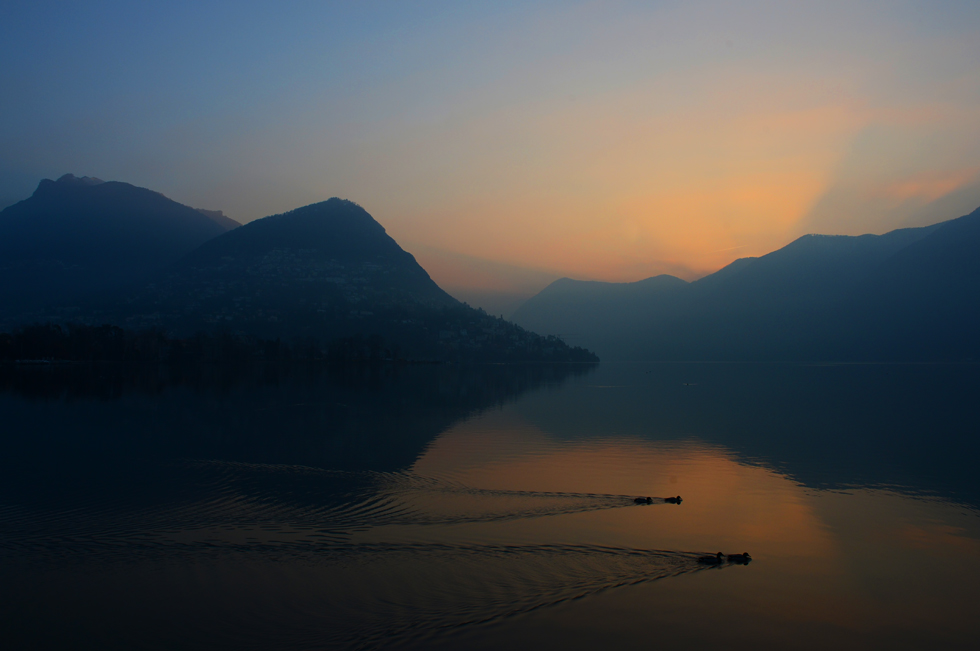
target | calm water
[{"x": 490, "y": 507}]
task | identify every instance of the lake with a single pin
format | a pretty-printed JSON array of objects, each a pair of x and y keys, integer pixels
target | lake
[{"x": 485, "y": 507}]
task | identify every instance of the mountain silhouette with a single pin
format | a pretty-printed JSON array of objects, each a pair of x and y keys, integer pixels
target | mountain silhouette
[
  {"x": 76, "y": 239},
  {"x": 325, "y": 272},
  {"x": 328, "y": 257},
  {"x": 332, "y": 244},
  {"x": 911, "y": 294}
]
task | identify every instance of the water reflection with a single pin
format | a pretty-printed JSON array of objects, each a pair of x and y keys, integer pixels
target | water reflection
[
  {"x": 446, "y": 507},
  {"x": 236, "y": 531},
  {"x": 865, "y": 567},
  {"x": 907, "y": 427}
]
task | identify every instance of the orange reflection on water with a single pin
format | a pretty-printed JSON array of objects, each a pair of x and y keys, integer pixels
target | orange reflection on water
[
  {"x": 830, "y": 568},
  {"x": 725, "y": 502},
  {"x": 936, "y": 536}
]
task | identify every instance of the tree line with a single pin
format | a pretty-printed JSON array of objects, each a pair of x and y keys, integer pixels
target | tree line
[{"x": 49, "y": 342}]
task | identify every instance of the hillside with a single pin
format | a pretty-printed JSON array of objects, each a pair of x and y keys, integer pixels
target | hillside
[
  {"x": 78, "y": 239},
  {"x": 910, "y": 294},
  {"x": 327, "y": 273},
  {"x": 601, "y": 313}
]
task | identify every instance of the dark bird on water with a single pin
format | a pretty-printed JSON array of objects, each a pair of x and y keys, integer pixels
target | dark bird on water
[
  {"x": 673, "y": 500},
  {"x": 739, "y": 559},
  {"x": 717, "y": 559}
]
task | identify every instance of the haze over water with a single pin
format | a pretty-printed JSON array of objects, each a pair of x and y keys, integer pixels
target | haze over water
[{"x": 490, "y": 506}]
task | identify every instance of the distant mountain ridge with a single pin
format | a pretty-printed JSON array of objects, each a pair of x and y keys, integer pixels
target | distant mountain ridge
[
  {"x": 78, "y": 238},
  {"x": 220, "y": 218},
  {"x": 911, "y": 294}
]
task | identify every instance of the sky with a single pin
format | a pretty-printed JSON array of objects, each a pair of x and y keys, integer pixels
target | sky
[{"x": 507, "y": 144}]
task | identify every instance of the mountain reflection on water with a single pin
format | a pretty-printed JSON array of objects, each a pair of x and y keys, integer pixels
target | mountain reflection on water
[{"x": 489, "y": 506}]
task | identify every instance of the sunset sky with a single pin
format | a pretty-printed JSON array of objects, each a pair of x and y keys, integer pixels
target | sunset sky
[{"x": 507, "y": 144}]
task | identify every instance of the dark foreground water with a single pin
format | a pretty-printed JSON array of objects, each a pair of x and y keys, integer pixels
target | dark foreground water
[{"x": 490, "y": 507}]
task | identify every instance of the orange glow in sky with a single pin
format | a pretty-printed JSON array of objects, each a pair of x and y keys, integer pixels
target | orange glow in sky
[{"x": 509, "y": 144}]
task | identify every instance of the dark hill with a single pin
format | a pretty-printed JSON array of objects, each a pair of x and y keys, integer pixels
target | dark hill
[
  {"x": 79, "y": 238},
  {"x": 336, "y": 228},
  {"x": 328, "y": 274},
  {"x": 928, "y": 292},
  {"x": 331, "y": 246},
  {"x": 322, "y": 258},
  {"x": 600, "y": 313},
  {"x": 911, "y": 294}
]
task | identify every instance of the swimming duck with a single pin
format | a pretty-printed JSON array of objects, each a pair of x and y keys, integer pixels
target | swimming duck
[
  {"x": 643, "y": 500},
  {"x": 673, "y": 500},
  {"x": 739, "y": 559},
  {"x": 717, "y": 559}
]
